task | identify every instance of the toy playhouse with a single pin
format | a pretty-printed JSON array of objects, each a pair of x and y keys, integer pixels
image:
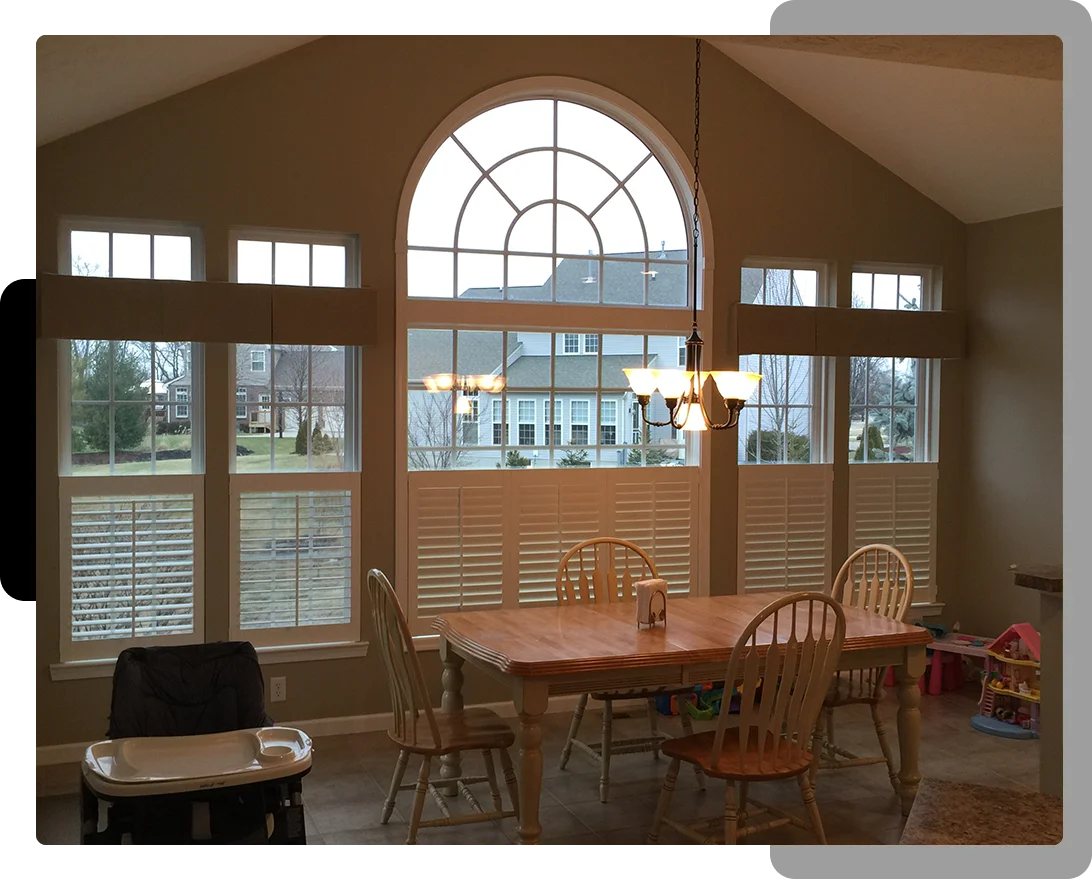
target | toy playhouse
[{"x": 1009, "y": 704}]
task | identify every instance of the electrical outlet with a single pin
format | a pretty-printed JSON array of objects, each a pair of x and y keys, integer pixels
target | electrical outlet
[{"x": 278, "y": 689}]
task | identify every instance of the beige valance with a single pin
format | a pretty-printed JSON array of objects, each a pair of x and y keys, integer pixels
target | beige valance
[
  {"x": 75, "y": 307},
  {"x": 848, "y": 332}
]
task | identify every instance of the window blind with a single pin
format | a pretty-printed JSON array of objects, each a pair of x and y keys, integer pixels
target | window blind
[
  {"x": 784, "y": 519},
  {"x": 896, "y": 504}
]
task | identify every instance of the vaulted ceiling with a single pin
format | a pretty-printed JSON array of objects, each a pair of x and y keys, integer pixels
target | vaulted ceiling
[{"x": 974, "y": 123}]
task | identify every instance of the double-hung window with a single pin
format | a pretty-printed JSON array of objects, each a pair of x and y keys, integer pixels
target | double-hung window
[
  {"x": 529, "y": 274},
  {"x": 130, "y": 473},
  {"x": 785, "y": 485},
  {"x": 295, "y": 485},
  {"x": 891, "y": 424}
]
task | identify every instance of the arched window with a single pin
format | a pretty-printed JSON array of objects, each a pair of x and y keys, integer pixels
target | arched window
[{"x": 546, "y": 250}]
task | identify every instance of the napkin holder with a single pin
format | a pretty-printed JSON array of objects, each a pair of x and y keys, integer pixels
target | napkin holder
[{"x": 651, "y": 602}]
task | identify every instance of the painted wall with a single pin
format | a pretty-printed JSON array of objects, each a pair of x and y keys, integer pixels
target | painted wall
[
  {"x": 321, "y": 138},
  {"x": 1011, "y": 478}
]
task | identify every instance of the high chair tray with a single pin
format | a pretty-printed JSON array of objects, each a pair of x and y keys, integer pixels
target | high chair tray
[{"x": 154, "y": 765}]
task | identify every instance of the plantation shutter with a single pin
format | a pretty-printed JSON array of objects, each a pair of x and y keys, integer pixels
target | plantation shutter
[
  {"x": 295, "y": 559},
  {"x": 498, "y": 542},
  {"x": 552, "y": 518},
  {"x": 896, "y": 504},
  {"x": 657, "y": 510},
  {"x": 458, "y": 556},
  {"x": 785, "y": 527},
  {"x": 134, "y": 571}
]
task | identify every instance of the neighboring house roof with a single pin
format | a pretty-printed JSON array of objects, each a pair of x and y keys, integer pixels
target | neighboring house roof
[
  {"x": 430, "y": 352},
  {"x": 327, "y": 369},
  {"x": 571, "y": 371},
  {"x": 623, "y": 282}
]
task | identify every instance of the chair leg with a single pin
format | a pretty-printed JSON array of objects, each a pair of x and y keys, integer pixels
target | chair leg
[
  {"x": 396, "y": 782},
  {"x": 813, "y": 808},
  {"x": 742, "y": 803},
  {"x": 829, "y": 713},
  {"x": 604, "y": 772},
  {"x": 652, "y": 716},
  {"x": 510, "y": 780},
  {"x": 881, "y": 734},
  {"x": 574, "y": 727},
  {"x": 665, "y": 801},
  {"x": 491, "y": 777},
  {"x": 688, "y": 729},
  {"x": 731, "y": 815},
  {"x": 816, "y": 750},
  {"x": 418, "y": 801}
]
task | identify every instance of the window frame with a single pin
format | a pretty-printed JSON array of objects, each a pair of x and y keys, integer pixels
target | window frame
[
  {"x": 254, "y": 352},
  {"x": 531, "y": 316},
  {"x": 586, "y": 423},
  {"x": 821, "y": 370},
  {"x": 75, "y": 223},
  {"x": 926, "y": 414},
  {"x": 275, "y": 236}
]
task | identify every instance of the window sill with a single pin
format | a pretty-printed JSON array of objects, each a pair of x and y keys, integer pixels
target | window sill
[
  {"x": 926, "y": 609},
  {"x": 422, "y": 643},
  {"x": 87, "y": 669}
]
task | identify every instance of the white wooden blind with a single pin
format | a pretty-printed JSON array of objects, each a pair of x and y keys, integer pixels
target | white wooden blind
[
  {"x": 488, "y": 540},
  {"x": 896, "y": 504},
  {"x": 295, "y": 567},
  {"x": 133, "y": 569},
  {"x": 784, "y": 520}
]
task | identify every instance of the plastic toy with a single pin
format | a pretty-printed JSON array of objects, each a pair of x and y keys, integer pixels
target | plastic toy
[{"x": 1009, "y": 704}]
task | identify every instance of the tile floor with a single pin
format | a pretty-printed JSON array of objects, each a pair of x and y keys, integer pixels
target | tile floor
[{"x": 345, "y": 789}]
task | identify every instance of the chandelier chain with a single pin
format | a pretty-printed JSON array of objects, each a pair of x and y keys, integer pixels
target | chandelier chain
[{"x": 697, "y": 142}]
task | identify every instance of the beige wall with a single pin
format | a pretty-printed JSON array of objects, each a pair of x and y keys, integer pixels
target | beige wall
[
  {"x": 1011, "y": 479},
  {"x": 323, "y": 137}
]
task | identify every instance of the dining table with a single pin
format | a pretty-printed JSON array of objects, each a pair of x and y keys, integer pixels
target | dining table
[{"x": 542, "y": 651}]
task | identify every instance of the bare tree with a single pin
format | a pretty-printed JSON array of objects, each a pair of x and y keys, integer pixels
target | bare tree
[{"x": 430, "y": 441}]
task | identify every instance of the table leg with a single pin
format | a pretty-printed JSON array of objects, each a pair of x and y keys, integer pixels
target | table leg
[
  {"x": 451, "y": 702},
  {"x": 909, "y": 723},
  {"x": 531, "y": 700}
]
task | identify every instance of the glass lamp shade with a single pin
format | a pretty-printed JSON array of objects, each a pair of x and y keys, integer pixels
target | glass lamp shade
[
  {"x": 491, "y": 384},
  {"x": 430, "y": 383},
  {"x": 736, "y": 385},
  {"x": 442, "y": 381},
  {"x": 641, "y": 381},
  {"x": 694, "y": 419},
  {"x": 673, "y": 383},
  {"x": 462, "y": 406}
]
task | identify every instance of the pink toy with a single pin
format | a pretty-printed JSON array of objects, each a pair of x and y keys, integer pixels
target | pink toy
[{"x": 1009, "y": 704}]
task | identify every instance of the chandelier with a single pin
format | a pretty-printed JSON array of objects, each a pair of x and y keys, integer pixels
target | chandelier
[
  {"x": 465, "y": 386},
  {"x": 683, "y": 389}
]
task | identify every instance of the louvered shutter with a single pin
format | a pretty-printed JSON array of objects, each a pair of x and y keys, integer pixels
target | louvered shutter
[
  {"x": 896, "y": 504},
  {"x": 656, "y": 508},
  {"x": 134, "y": 569},
  {"x": 784, "y": 527},
  {"x": 295, "y": 559},
  {"x": 550, "y": 518},
  {"x": 456, "y": 543}
]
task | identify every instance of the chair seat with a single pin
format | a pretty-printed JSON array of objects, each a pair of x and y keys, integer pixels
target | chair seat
[
  {"x": 641, "y": 694},
  {"x": 472, "y": 729},
  {"x": 696, "y": 749}
]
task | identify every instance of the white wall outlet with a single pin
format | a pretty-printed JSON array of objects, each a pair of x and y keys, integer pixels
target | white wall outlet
[{"x": 278, "y": 689}]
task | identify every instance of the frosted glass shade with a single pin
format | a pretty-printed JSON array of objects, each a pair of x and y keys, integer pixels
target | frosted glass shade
[
  {"x": 736, "y": 385},
  {"x": 673, "y": 383},
  {"x": 491, "y": 384},
  {"x": 462, "y": 406},
  {"x": 641, "y": 381},
  {"x": 694, "y": 419}
]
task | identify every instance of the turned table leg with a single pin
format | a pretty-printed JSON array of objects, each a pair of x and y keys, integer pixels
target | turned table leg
[
  {"x": 531, "y": 700},
  {"x": 451, "y": 702},
  {"x": 909, "y": 724}
]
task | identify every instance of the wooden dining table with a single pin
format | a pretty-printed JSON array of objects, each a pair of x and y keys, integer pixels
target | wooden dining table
[{"x": 539, "y": 652}]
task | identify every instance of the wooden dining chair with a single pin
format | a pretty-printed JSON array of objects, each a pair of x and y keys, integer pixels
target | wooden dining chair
[
  {"x": 782, "y": 687},
  {"x": 417, "y": 729},
  {"x": 604, "y": 570},
  {"x": 879, "y": 579}
]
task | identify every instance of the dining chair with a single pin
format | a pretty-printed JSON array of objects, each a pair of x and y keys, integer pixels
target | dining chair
[
  {"x": 876, "y": 578},
  {"x": 600, "y": 571},
  {"x": 417, "y": 729},
  {"x": 782, "y": 687}
]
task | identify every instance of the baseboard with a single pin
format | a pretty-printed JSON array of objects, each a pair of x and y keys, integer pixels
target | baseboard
[{"x": 51, "y": 755}]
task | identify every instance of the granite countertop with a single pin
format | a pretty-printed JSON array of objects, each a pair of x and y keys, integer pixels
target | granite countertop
[
  {"x": 1045, "y": 578},
  {"x": 954, "y": 813}
]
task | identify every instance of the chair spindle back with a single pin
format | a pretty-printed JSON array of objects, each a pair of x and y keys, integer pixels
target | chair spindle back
[
  {"x": 602, "y": 570},
  {"x": 876, "y": 578}
]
